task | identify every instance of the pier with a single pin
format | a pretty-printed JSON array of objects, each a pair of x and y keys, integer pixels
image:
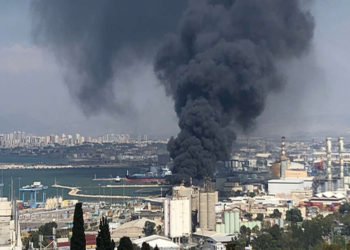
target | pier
[
  {"x": 74, "y": 191},
  {"x": 103, "y": 179},
  {"x": 139, "y": 186}
]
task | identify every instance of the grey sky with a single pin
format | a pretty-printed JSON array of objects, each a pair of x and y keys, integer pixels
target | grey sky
[{"x": 34, "y": 97}]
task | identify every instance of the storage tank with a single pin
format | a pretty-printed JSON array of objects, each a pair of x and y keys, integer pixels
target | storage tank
[
  {"x": 222, "y": 228},
  {"x": 227, "y": 222},
  {"x": 207, "y": 216},
  {"x": 236, "y": 222},
  {"x": 218, "y": 228},
  {"x": 232, "y": 225}
]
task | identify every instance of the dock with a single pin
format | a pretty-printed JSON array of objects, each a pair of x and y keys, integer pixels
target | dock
[
  {"x": 105, "y": 179},
  {"x": 74, "y": 191},
  {"x": 139, "y": 186}
]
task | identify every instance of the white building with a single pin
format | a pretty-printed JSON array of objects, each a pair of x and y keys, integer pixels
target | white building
[
  {"x": 285, "y": 186},
  {"x": 288, "y": 185},
  {"x": 211, "y": 240},
  {"x": 161, "y": 242},
  {"x": 10, "y": 238},
  {"x": 177, "y": 217}
]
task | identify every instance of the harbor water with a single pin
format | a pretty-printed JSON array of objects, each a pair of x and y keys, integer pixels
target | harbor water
[{"x": 75, "y": 177}]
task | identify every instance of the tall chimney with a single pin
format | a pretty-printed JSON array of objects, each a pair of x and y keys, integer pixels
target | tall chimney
[
  {"x": 341, "y": 160},
  {"x": 329, "y": 157},
  {"x": 283, "y": 148}
]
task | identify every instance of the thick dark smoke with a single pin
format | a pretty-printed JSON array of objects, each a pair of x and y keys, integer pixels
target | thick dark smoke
[
  {"x": 220, "y": 67},
  {"x": 88, "y": 35}
]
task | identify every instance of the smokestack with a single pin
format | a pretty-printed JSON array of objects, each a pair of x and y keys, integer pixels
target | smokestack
[
  {"x": 341, "y": 160},
  {"x": 329, "y": 157},
  {"x": 283, "y": 148}
]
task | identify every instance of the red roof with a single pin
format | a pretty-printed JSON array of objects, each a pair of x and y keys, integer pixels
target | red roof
[{"x": 90, "y": 240}]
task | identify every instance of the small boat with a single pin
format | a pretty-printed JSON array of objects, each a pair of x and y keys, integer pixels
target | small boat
[{"x": 117, "y": 179}]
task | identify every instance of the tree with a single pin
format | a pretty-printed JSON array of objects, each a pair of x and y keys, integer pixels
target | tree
[
  {"x": 236, "y": 244},
  {"x": 156, "y": 248},
  {"x": 149, "y": 229},
  {"x": 255, "y": 229},
  {"x": 275, "y": 232},
  {"x": 248, "y": 216},
  {"x": 145, "y": 246},
  {"x": 294, "y": 215},
  {"x": 326, "y": 246},
  {"x": 103, "y": 239},
  {"x": 260, "y": 217},
  {"x": 344, "y": 208},
  {"x": 263, "y": 242},
  {"x": 125, "y": 244},
  {"x": 276, "y": 214},
  {"x": 78, "y": 240},
  {"x": 243, "y": 230},
  {"x": 346, "y": 227},
  {"x": 46, "y": 229}
]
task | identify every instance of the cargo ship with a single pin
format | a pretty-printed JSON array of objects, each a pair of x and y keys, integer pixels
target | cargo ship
[
  {"x": 147, "y": 177},
  {"x": 143, "y": 178}
]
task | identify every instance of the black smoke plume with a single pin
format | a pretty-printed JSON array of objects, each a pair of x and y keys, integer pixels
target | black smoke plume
[
  {"x": 220, "y": 67},
  {"x": 88, "y": 35}
]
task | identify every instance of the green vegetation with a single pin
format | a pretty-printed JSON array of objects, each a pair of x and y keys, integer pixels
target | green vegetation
[
  {"x": 78, "y": 241},
  {"x": 125, "y": 244},
  {"x": 45, "y": 230},
  {"x": 103, "y": 239},
  {"x": 149, "y": 228},
  {"x": 276, "y": 214},
  {"x": 325, "y": 233},
  {"x": 145, "y": 246},
  {"x": 294, "y": 215},
  {"x": 260, "y": 217}
]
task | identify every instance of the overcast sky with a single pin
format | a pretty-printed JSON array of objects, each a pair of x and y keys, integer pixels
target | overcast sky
[{"x": 35, "y": 99}]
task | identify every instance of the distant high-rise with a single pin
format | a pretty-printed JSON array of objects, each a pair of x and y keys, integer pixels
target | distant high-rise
[
  {"x": 329, "y": 157},
  {"x": 341, "y": 158}
]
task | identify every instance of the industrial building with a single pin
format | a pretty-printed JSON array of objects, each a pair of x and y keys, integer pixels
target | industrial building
[
  {"x": 230, "y": 223},
  {"x": 284, "y": 168},
  {"x": 288, "y": 176},
  {"x": 331, "y": 181},
  {"x": 177, "y": 217},
  {"x": 207, "y": 200},
  {"x": 202, "y": 204},
  {"x": 288, "y": 185}
]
